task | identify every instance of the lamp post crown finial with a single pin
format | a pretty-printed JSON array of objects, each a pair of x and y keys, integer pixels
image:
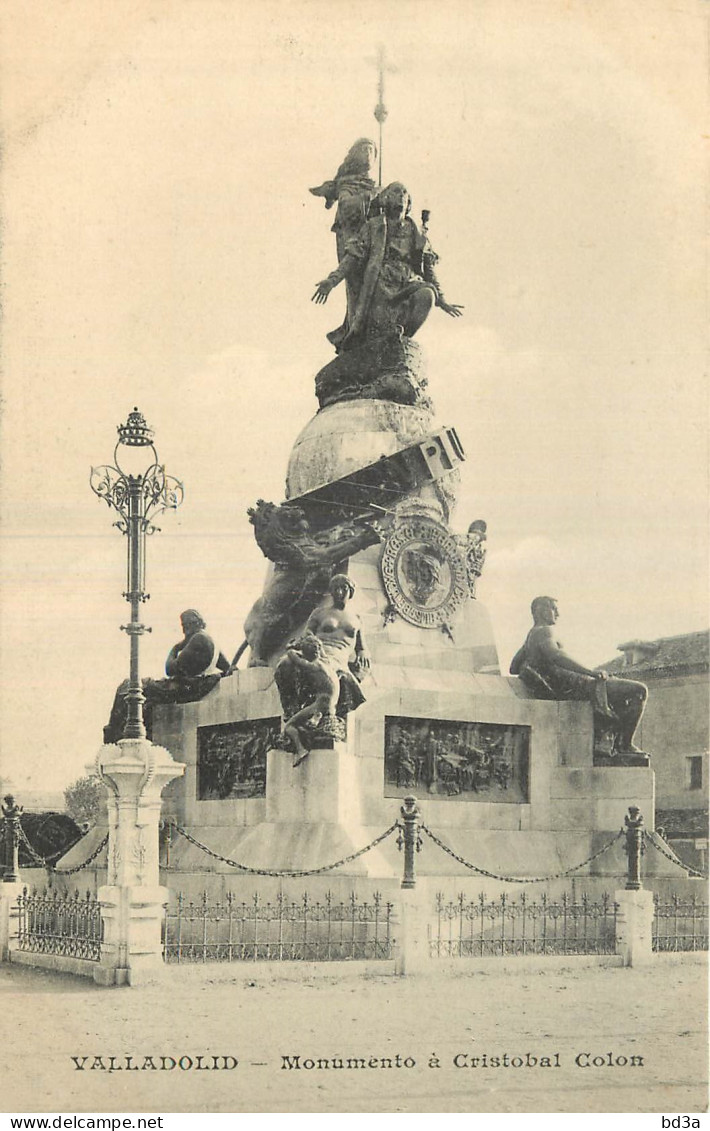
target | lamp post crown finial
[{"x": 135, "y": 433}]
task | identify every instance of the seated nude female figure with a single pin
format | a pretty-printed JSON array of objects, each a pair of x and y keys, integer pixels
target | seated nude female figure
[{"x": 338, "y": 629}]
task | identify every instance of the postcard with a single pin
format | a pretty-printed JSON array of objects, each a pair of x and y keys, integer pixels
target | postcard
[{"x": 433, "y": 275}]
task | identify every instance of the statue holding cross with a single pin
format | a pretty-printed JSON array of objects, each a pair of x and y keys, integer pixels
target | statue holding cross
[{"x": 388, "y": 266}]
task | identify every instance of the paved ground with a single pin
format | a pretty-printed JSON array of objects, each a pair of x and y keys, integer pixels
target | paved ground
[{"x": 259, "y": 1017}]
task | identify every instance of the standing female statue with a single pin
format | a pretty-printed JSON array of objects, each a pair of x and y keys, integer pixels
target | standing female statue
[{"x": 352, "y": 189}]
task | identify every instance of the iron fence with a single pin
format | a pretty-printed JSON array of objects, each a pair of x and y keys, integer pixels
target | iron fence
[
  {"x": 679, "y": 924},
  {"x": 50, "y": 923},
  {"x": 282, "y": 930},
  {"x": 505, "y": 926}
]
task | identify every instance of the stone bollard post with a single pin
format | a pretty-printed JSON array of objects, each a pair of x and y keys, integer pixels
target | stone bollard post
[
  {"x": 634, "y": 847},
  {"x": 134, "y": 772},
  {"x": 409, "y": 838},
  {"x": 412, "y": 949},
  {"x": 11, "y": 886},
  {"x": 634, "y": 918},
  {"x": 11, "y": 839}
]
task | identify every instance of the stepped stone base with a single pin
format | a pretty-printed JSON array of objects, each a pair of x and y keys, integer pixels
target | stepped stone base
[{"x": 337, "y": 801}]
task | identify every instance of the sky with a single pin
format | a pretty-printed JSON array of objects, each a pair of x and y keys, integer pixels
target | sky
[{"x": 161, "y": 249}]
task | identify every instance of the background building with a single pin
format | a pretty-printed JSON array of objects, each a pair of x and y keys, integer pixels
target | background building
[{"x": 674, "y": 730}]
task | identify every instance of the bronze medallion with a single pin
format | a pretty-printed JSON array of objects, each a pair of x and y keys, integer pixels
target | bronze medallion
[{"x": 424, "y": 572}]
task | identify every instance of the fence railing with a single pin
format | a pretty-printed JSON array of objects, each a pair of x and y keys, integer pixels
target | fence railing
[
  {"x": 679, "y": 924},
  {"x": 521, "y": 926},
  {"x": 50, "y": 923},
  {"x": 329, "y": 929},
  {"x": 280, "y": 930}
]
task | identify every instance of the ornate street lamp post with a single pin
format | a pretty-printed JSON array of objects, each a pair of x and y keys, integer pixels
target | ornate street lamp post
[
  {"x": 134, "y": 770},
  {"x": 139, "y": 490}
]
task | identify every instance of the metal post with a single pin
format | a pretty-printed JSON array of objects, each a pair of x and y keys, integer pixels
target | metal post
[
  {"x": 634, "y": 847},
  {"x": 135, "y": 698},
  {"x": 410, "y": 840},
  {"x": 380, "y": 108},
  {"x": 12, "y": 813}
]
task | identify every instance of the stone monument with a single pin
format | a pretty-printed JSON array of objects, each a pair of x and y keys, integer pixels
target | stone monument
[{"x": 372, "y": 671}]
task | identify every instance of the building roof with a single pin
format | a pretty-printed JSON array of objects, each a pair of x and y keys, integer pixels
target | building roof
[
  {"x": 669, "y": 655},
  {"x": 690, "y": 823}
]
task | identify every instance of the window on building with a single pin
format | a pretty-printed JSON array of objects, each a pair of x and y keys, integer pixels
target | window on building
[{"x": 695, "y": 772}]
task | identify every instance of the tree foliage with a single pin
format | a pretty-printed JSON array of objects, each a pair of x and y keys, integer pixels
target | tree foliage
[{"x": 83, "y": 799}]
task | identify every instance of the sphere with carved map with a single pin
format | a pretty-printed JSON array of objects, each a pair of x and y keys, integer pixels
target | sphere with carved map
[{"x": 348, "y": 436}]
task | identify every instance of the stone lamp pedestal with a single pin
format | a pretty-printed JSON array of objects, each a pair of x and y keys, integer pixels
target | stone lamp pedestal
[{"x": 134, "y": 772}]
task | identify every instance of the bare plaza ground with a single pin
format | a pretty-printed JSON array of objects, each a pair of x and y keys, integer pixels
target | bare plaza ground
[{"x": 259, "y": 1016}]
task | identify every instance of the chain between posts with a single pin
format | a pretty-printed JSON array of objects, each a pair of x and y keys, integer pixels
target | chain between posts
[
  {"x": 654, "y": 837},
  {"x": 283, "y": 871},
  {"x": 409, "y": 838},
  {"x": 89, "y": 860},
  {"x": 48, "y": 861},
  {"x": 519, "y": 879},
  {"x": 44, "y": 863}
]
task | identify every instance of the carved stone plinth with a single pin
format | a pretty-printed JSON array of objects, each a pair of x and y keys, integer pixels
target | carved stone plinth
[
  {"x": 323, "y": 788},
  {"x": 134, "y": 772},
  {"x": 634, "y": 927},
  {"x": 313, "y": 817}
]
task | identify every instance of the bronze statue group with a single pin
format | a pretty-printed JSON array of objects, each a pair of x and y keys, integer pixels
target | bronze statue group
[{"x": 302, "y": 624}]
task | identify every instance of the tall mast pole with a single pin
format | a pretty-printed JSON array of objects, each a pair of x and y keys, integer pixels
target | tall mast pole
[{"x": 380, "y": 108}]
